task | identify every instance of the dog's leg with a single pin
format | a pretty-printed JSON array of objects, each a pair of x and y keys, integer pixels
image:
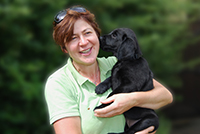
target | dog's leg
[
  {"x": 150, "y": 120},
  {"x": 103, "y": 86}
]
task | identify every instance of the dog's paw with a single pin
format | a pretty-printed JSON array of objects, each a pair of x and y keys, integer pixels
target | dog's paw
[{"x": 100, "y": 89}]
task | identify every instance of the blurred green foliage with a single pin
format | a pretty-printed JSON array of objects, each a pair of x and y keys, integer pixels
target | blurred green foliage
[{"x": 28, "y": 53}]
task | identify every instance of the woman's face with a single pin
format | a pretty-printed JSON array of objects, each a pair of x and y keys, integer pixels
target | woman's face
[{"x": 84, "y": 46}]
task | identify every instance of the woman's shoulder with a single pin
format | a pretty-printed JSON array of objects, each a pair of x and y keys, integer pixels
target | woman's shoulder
[
  {"x": 109, "y": 61},
  {"x": 62, "y": 72},
  {"x": 60, "y": 81},
  {"x": 59, "y": 73},
  {"x": 61, "y": 76}
]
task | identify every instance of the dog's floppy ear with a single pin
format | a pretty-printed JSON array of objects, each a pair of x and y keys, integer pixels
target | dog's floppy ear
[
  {"x": 129, "y": 49},
  {"x": 131, "y": 34},
  {"x": 138, "y": 52},
  {"x": 124, "y": 37},
  {"x": 126, "y": 49}
]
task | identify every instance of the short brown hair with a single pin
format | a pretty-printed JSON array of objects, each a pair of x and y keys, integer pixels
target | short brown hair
[{"x": 63, "y": 31}]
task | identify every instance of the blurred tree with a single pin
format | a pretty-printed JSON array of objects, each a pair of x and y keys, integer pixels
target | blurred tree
[
  {"x": 162, "y": 28},
  {"x": 28, "y": 53}
]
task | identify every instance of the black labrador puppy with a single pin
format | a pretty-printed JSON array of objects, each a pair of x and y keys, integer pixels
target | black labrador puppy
[{"x": 131, "y": 73}]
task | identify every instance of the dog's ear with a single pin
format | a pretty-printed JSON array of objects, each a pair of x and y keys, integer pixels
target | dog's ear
[
  {"x": 138, "y": 52},
  {"x": 124, "y": 37},
  {"x": 131, "y": 34},
  {"x": 129, "y": 49},
  {"x": 126, "y": 49}
]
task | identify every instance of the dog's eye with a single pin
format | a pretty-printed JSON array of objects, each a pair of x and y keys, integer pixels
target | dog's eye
[{"x": 114, "y": 35}]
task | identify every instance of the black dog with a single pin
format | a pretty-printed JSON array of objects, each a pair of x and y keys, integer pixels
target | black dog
[{"x": 130, "y": 74}]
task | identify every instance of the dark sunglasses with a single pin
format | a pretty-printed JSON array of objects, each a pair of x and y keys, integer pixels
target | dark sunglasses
[{"x": 60, "y": 15}]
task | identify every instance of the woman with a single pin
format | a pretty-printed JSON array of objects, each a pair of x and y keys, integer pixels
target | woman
[{"x": 70, "y": 91}]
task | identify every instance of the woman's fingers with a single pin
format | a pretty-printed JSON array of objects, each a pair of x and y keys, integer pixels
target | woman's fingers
[
  {"x": 119, "y": 104},
  {"x": 147, "y": 131},
  {"x": 108, "y": 100},
  {"x": 108, "y": 111}
]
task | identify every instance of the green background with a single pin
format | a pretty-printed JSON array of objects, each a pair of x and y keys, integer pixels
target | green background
[{"x": 28, "y": 55}]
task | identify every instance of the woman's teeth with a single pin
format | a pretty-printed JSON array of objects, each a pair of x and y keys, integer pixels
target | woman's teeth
[{"x": 86, "y": 51}]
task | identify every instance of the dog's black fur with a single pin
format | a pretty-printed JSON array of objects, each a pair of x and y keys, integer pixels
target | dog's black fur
[{"x": 131, "y": 73}]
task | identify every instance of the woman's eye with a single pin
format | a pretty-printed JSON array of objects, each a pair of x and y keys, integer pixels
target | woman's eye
[
  {"x": 87, "y": 32},
  {"x": 73, "y": 38}
]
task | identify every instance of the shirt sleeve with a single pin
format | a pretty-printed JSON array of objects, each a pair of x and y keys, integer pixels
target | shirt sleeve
[
  {"x": 61, "y": 100},
  {"x": 111, "y": 61}
]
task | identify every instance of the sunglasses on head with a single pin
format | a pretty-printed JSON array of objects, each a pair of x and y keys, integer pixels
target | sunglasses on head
[{"x": 60, "y": 15}]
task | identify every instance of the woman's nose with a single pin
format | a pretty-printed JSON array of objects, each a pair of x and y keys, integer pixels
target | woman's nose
[{"x": 83, "y": 40}]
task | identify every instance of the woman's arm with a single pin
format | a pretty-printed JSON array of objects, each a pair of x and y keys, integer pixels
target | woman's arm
[
  {"x": 154, "y": 99},
  {"x": 68, "y": 125}
]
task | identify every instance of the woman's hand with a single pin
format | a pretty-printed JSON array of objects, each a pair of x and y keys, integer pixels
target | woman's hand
[
  {"x": 120, "y": 104},
  {"x": 147, "y": 131}
]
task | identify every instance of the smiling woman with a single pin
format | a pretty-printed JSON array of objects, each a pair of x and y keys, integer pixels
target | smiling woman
[{"x": 70, "y": 91}]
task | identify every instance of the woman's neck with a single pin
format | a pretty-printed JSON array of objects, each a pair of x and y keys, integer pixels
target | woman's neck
[{"x": 92, "y": 72}]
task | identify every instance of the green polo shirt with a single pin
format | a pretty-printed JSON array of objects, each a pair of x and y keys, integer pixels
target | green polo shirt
[{"x": 68, "y": 94}]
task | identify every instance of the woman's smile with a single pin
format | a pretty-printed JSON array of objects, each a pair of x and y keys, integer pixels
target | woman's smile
[{"x": 86, "y": 51}]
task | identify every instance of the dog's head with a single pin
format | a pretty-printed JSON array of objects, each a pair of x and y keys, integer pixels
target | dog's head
[{"x": 122, "y": 42}]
